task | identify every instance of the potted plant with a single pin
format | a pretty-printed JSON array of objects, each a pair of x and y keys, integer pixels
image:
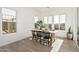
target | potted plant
[
  {"x": 69, "y": 33},
  {"x": 43, "y": 27},
  {"x": 40, "y": 24}
]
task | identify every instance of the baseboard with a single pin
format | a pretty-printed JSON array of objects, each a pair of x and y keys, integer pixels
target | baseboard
[{"x": 28, "y": 37}]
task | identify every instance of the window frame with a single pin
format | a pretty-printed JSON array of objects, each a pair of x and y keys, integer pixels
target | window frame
[
  {"x": 48, "y": 24},
  {"x": 59, "y": 23},
  {"x": 9, "y": 21}
]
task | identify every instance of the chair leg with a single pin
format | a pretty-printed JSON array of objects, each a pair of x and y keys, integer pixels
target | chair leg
[
  {"x": 32, "y": 38},
  {"x": 40, "y": 41},
  {"x": 36, "y": 39},
  {"x": 48, "y": 42}
]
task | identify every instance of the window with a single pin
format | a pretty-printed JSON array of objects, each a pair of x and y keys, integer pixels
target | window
[
  {"x": 56, "y": 22},
  {"x": 45, "y": 20},
  {"x": 62, "y": 22},
  {"x": 36, "y": 19},
  {"x": 8, "y": 21},
  {"x": 50, "y": 22},
  {"x": 59, "y": 22},
  {"x": 56, "y": 19}
]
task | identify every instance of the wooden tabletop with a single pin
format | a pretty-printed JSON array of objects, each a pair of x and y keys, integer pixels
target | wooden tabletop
[{"x": 44, "y": 30}]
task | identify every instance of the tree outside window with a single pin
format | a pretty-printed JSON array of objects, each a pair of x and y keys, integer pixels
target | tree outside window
[
  {"x": 8, "y": 21},
  {"x": 59, "y": 22}
]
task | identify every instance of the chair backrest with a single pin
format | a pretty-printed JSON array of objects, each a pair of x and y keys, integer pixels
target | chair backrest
[
  {"x": 46, "y": 35},
  {"x": 39, "y": 34}
]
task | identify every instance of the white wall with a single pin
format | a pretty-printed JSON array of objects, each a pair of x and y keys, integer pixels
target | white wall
[
  {"x": 70, "y": 16},
  {"x": 24, "y": 25},
  {"x": 77, "y": 24},
  {"x": 78, "y": 17},
  {"x": 74, "y": 24}
]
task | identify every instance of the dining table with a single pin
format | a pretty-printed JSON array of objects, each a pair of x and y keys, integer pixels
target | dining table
[{"x": 52, "y": 33}]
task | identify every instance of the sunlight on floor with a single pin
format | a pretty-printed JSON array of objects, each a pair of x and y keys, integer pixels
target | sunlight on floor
[{"x": 57, "y": 45}]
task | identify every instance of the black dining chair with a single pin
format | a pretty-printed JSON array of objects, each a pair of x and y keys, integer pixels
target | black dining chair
[
  {"x": 45, "y": 38},
  {"x": 34, "y": 35},
  {"x": 39, "y": 36}
]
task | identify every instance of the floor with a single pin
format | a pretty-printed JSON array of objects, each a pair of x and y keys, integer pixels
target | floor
[
  {"x": 68, "y": 46},
  {"x": 27, "y": 45}
]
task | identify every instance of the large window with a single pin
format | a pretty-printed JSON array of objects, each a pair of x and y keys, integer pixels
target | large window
[
  {"x": 52, "y": 22},
  {"x": 8, "y": 21},
  {"x": 59, "y": 22}
]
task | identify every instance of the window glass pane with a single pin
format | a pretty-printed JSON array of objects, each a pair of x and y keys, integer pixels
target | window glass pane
[
  {"x": 56, "y": 19},
  {"x": 36, "y": 19},
  {"x": 4, "y": 27},
  {"x": 8, "y": 21},
  {"x": 8, "y": 12},
  {"x": 50, "y": 20},
  {"x": 62, "y": 18},
  {"x": 56, "y": 22},
  {"x": 62, "y": 26},
  {"x": 45, "y": 20},
  {"x": 56, "y": 26},
  {"x": 62, "y": 22}
]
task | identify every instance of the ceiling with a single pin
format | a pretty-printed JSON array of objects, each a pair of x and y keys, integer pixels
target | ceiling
[
  {"x": 49, "y": 9},
  {"x": 43, "y": 9}
]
